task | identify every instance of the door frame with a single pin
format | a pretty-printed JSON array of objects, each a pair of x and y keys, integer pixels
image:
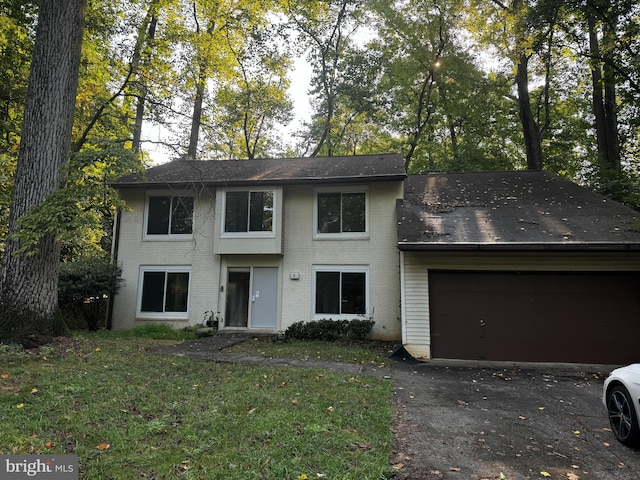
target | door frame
[{"x": 249, "y": 265}]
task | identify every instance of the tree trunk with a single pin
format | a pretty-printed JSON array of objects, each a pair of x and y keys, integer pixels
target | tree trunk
[
  {"x": 530, "y": 128},
  {"x": 604, "y": 94},
  {"x": 136, "y": 144},
  {"x": 29, "y": 283},
  {"x": 196, "y": 118}
]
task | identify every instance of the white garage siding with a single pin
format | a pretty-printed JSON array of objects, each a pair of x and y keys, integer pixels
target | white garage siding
[{"x": 416, "y": 335}]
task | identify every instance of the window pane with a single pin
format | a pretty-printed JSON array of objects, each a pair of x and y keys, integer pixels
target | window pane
[
  {"x": 158, "y": 220},
  {"x": 328, "y": 292},
  {"x": 328, "y": 213},
  {"x": 177, "y": 292},
  {"x": 152, "y": 291},
  {"x": 182, "y": 215},
  {"x": 353, "y": 293},
  {"x": 353, "y": 214},
  {"x": 261, "y": 212},
  {"x": 237, "y": 210}
]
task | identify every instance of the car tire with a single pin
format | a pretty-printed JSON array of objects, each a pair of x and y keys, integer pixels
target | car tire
[{"x": 622, "y": 416}]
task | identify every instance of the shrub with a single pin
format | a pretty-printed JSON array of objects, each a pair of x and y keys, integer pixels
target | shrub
[
  {"x": 84, "y": 287},
  {"x": 330, "y": 330}
]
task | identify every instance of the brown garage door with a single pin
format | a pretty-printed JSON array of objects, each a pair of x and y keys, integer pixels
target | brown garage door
[{"x": 535, "y": 316}]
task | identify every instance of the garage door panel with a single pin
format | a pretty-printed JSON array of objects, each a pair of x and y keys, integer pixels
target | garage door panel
[{"x": 535, "y": 316}]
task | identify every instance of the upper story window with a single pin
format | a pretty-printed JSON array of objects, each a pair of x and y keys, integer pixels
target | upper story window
[
  {"x": 341, "y": 213},
  {"x": 248, "y": 211},
  {"x": 170, "y": 215}
]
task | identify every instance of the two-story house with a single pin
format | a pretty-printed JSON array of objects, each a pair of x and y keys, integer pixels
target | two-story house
[
  {"x": 491, "y": 265},
  {"x": 266, "y": 243}
]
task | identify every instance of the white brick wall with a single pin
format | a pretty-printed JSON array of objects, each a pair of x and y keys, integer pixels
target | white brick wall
[{"x": 301, "y": 253}]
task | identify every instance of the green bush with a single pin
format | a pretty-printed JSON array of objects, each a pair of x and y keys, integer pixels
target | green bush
[
  {"x": 84, "y": 287},
  {"x": 330, "y": 330}
]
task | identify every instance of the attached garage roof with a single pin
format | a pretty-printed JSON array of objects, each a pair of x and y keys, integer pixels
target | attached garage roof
[
  {"x": 351, "y": 169},
  {"x": 529, "y": 210}
]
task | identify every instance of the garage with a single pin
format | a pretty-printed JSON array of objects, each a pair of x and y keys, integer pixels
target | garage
[{"x": 585, "y": 317}]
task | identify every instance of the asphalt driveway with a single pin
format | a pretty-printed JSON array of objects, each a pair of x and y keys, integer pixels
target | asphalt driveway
[
  {"x": 465, "y": 421},
  {"x": 472, "y": 421}
]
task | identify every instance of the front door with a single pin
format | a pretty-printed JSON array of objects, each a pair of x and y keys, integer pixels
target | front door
[
  {"x": 264, "y": 297},
  {"x": 252, "y": 297}
]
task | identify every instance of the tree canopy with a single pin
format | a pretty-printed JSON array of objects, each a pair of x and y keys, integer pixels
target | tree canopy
[{"x": 460, "y": 85}]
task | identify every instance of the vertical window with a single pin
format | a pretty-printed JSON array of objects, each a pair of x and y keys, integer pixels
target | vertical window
[
  {"x": 341, "y": 212},
  {"x": 170, "y": 215},
  {"x": 248, "y": 212},
  {"x": 164, "y": 291},
  {"x": 341, "y": 292}
]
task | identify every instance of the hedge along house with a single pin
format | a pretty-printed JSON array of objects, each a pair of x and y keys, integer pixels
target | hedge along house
[
  {"x": 266, "y": 243},
  {"x": 521, "y": 266}
]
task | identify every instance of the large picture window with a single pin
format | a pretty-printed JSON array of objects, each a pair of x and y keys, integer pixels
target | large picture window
[
  {"x": 164, "y": 290},
  {"x": 248, "y": 212},
  {"x": 170, "y": 215},
  {"x": 341, "y": 212},
  {"x": 340, "y": 291}
]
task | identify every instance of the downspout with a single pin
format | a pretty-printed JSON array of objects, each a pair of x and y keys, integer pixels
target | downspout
[
  {"x": 115, "y": 245},
  {"x": 403, "y": 313}
]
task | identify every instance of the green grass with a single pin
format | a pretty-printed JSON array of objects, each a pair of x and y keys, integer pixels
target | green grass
[
  {"x": 128, "y": 413},
  {"x": 372, "y": 353}
]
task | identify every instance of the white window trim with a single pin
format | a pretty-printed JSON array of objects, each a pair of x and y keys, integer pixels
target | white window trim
[
  {"x": 343, "y": 269},
  {"x": 168, "y": 237},
  {"x": 348, "y": 235},
  {"x": 167, "y": 269},
  {"x": 223, "y": 214}
]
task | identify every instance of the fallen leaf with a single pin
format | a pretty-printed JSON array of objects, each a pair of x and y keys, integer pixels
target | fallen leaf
[
  {"x": 251, "y": 411},
  {"x": 103, "y": 446},
  {"x": 540, "y": 408},
  {"x": 20, "y": 405},
  {"x": 545, "y": 474},
  {"x": 48, "y": 445},
  {"x": 294, "y": 401},
  {"x": 572, "y": 476},
  {"x": 330, "y": 409},
  {"x": 98, "y": 349},
  {"x": 398, "y": 466},
  {"x": 34, "y": 391},
  {"x": 4, "y": 375},
  {"x": 576, "y": 432}
]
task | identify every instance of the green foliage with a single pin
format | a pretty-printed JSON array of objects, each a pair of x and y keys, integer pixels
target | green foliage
[
  {"x": 79, "y": 215},
  {"x": 330, "y": 330},
  {"x": 84, "y": 287}
]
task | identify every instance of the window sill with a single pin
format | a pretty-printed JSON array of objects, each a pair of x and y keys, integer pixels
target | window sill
[{"x": 167, "y": 238}]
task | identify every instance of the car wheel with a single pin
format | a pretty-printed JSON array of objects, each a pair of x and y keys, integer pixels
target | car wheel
[{"x": 622, "y": 416}]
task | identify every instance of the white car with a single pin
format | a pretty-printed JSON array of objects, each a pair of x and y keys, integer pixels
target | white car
[{"x": 621, "y": 397}]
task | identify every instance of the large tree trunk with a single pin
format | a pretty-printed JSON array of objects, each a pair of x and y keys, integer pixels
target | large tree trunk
[
  {"x": 530, "y": 128},
  {"x": 29, "y": 283},
  {"x": 604, "y": 93},
  {"x": 136, "y": 144}
]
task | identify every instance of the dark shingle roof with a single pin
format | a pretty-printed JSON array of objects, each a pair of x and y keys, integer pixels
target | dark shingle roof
[
  {"x": 528, "y": 210},
  {"x": 182, "y": 173}
]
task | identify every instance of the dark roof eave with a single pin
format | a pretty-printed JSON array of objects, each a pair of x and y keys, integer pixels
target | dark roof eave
[
  {"x": 242, "y": 183},
  {"x": 520, "y": 247}
]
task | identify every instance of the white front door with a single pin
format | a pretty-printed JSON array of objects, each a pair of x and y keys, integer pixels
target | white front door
[{"x": 264, "y": 297}]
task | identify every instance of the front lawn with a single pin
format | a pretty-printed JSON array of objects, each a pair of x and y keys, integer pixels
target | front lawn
[{"x": 128, "y": 413}]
